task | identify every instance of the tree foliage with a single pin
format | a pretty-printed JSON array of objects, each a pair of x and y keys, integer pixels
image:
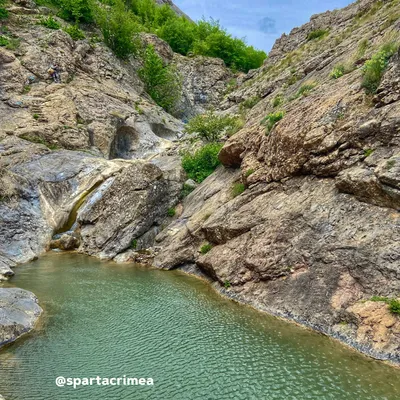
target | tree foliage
[{"x": 162, "y": 82}]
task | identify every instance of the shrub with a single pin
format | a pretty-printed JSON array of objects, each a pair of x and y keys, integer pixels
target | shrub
[
  {"x": 134, "y": 244},
  {"x": 305, "y": 89},
  {"x": 119, "y": 28},
  {"x": 205, "y": 248},
  {"x": 338, "y": 71},
  {"x": 227, "y": 284},
  {"x": 394, "y": 306},
  {"x": 238, "y": 189},
  {"x": 250, "y": 102},
  {"x": 317, "y": 34},
  {"x": 3, "y": 41},
  {"x": 271, "y": 119},
  {"x": 374, "y": 68},
  {"x": 36, "y": 116},
  {"x": 368, "y": 152},
  {"x": 202, "y": 163},
  {"x": 50, "y": 23},
  {"x": 171, "y": 212},
  {"x": 211, "y": 126},
  {"x": 74, "y": 32},
  {"x": 75, "y": 10},
  {"x": 162, "y": 82},
  {"x": 3, "y": 13},
  {"x": 277, "y": 101},
  {"x": 179, "y": 33},
  {"x": 379, "y": 298}
]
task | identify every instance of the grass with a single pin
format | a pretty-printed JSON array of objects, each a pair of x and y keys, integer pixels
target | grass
[
  {"x": 206, "y": 248},
  {"x": 134, "y": 244},
  {"x": 374, "y": 68},
  {"x": 271, "y": 119},
  {"x": 277, "y": 101},
  {"x": 39, "y": 140},
  {"x": 74, "y": 32},
  {"x": 317, "y": 34},
  {"x": 171, "y": 212},
  {"x": 26, "y": 89},
  {"x": 250, "y": 102},
  {"x": 238, "y": 189},
  {"x": 394, "y": 304},
  {"x": 368, "y": 152},
  {"x": 338, "y": 71},
  {"x": 227, "y": 285},
  {"x": 3, "y": 13},
  {"x": 50, "y": 23},
  {"x": 304, "y": 90},
  {"x": 249, "y": 172}
]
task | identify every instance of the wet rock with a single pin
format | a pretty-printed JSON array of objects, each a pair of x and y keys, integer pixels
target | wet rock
[{"x": 19, "y": 311}]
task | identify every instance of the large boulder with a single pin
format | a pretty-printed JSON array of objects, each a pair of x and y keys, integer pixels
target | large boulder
[{"x": 19, "y": 311}]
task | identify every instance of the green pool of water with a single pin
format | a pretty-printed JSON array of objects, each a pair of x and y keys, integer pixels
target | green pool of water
[{"x": 106, "y": 320}]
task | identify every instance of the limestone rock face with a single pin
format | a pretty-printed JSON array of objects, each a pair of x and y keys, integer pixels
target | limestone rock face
[
  {"x": 316, "y": 232},
  {"x": 137, "y": 199},
  {"x": 204, "y": 83},
  {"x": 19, "y": 311}
]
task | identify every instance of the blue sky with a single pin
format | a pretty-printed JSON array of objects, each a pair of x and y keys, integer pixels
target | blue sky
[{"x": 260, "y": 21}]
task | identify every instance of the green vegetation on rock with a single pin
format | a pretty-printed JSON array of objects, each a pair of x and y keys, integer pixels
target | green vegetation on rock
[
  {"x": 374, "y": 68},
  {"x": 120, "y": 20},
  {"x": 3, "y": 11},
  {"x": 163, "y": 82},
  {"x": 201, "y": 163},
  {"x": 171, "y": 212},
  {"x": 317, "y": 34},
  {"x": 74, "y": 32},
  {"x": 211, "y": 126},
  {"x": 271, "y": 119},
  {"x": 50, "y": 23},
  {"x": 205, "y": 248},
  {"x": 238, "y": 189}
]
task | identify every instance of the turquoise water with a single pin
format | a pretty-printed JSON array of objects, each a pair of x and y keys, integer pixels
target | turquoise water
[{"x": 109, "y": 320}]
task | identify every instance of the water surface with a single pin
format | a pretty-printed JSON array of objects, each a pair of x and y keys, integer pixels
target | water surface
[{"x": 109, "y": 320}]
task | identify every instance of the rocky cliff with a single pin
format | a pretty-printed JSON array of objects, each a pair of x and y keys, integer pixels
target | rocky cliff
[
  {"x": 93, "y": 162},
  {"x": 315, "y": 235}
]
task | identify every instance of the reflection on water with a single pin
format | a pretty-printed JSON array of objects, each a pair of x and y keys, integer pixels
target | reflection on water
[{"x": 109, "y": 320}]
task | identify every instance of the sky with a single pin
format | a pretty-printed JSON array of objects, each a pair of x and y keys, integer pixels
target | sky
[{"x": 260, "y": 21}]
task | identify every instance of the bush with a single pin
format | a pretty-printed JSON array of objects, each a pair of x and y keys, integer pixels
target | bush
[
  {"x": 304, "y": 90},
  {"x": 271, "y": 119},
  {"x": 277, "y": 101},
  {"x": 3, "y": 13},
  {"x": 394, "y": 306},
  {"x": 250, "y": 102},
  {"x": 162, "y": 82},
  {"x": 202, "y": 163},
  {"x": 317, "y": 34},
  {"x": 119, "y": 28},
  {"x": 205, "y": 38},
  {"x": 374, "y": 68},
  {"x": 3, "y": 41},
  {"x": 74, "y": 32},
  {"x": 338, "y": 71},
  {"x": 75, "y": 10},
  {"x": 171, "y": 212},
  {"x": 205, "y": 248},
  {"x": 249, "y": 172},
  {"x": 211, "y": 126},
  {"x": 50, "y": 23},
  {"x": 238, "y": 189}
]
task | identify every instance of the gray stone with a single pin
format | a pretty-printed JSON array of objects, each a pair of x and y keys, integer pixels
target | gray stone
[{"x": 19, "y": 311}]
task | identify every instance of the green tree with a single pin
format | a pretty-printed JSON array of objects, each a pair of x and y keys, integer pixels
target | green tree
[
  {"x": 179, "y": 33},
  {"x": 162, "y": 82},
  {"x": 120, "y": 29}
]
